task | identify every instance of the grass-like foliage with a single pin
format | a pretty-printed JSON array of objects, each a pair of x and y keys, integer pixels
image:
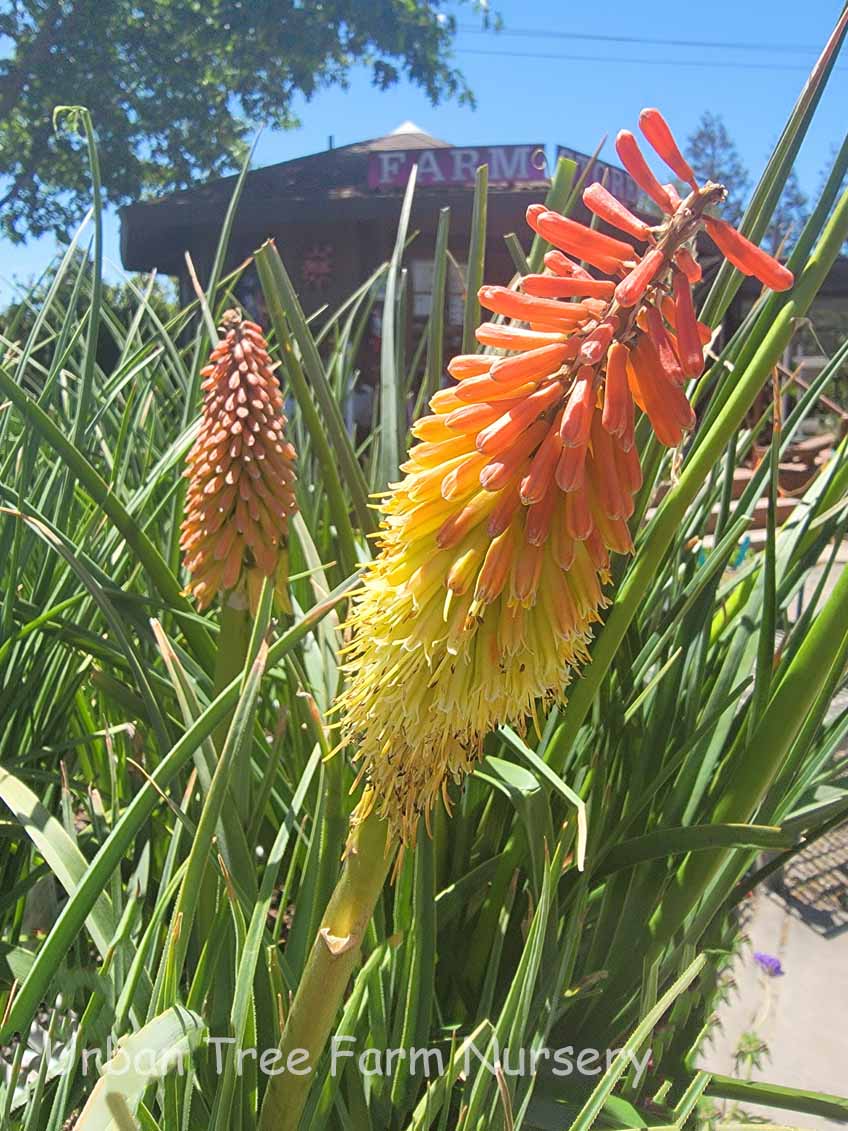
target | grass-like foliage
[{"x": 172, "y": 825}]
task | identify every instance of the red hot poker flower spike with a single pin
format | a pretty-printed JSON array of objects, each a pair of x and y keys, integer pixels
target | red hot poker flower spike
[
  {"x": 240, "y": 471},
  {"x": 496, "y": 545},
  {"x": 656, "y": 129}
]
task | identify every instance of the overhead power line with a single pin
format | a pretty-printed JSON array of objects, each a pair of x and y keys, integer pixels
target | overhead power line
[
  {"x": 546, "y": 33},
  {"x": 617, "y": 59}
]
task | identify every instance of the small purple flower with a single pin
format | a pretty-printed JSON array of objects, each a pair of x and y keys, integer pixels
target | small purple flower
[{"x": 768, "y": 963}]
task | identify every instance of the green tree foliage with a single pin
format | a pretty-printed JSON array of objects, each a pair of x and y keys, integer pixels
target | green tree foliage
[
  {"x": 714, "y": 157},
  {"x": 788, "y": 217},
  {"x": 72, "y": 300},
  {"x": 176, "y": 87},
  {"x": 823, "y": 177}
]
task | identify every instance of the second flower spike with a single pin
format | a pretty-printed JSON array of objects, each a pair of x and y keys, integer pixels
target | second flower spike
[{"x": 241, "y": 473}]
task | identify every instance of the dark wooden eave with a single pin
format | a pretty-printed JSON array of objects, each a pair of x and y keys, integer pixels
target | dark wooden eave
[{"x": 327, "y": 186}]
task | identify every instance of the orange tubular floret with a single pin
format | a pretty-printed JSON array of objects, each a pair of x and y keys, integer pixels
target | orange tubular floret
[
  {"x": 538, "y": 480},
  {"x": 603, "y": 204},
  {"x": 579, "y": 408},
  {"x": 627, "y": 148},
  {"x": 613, "y": 499},
  {"x": 616, "y": 392},
  {"x": 578, "y": 516},
  {"x": 595, "y": 306},
  {"x": 600, "y": 250},
  {"x": 686, "y": 325},
  {"x": 555, "y": 286},
  {"x": 688, "y": 264},
  {"x": 451, "y": 532},
  {"x": 666, "y": 405},
  {"x": 534, "y": 211},
  {"x": 656, "y": 129},
  {"x": 663, "y": 345},
  {"x": 560, "y": 264},
  {"x": 539, "y": 519},
  {"x": 431, "y": 429},
  {"x": 614, "y": 533},
  {"x": 464, "y": 478},
  {"x": 505, "y": 508},
  {"x": 496, "y": 567},
  {"x": 431, "y": 455},
  {"x": 486, "y": 389},
  {"x": 509, "y": 464},
  {"x": 515, "y": 337},
  {"x": 673, "y": 196},
  {"x": 562, "y": 545},
  {"x": 526, "y": 573},
  {"x": 747, "y": 257},
  {"x": 469, "y": 365},
  {"x": 570, "y": 472},
  {"x": 597, "y": 551},
  {"x": 445, "y": 400},
  {"x": 534, "y": 364},
  {"x": 512, "y": 304},
  {"x": 629, "y": 468},
  {"x": 473, "y": 417},
  {"x": 595, "y": 344},
  {"x": 633, "y": 286},
  {"x": 507, "y": 429}
]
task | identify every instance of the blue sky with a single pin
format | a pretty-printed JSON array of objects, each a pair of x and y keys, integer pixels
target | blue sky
[{"x": 586, "y": 73}]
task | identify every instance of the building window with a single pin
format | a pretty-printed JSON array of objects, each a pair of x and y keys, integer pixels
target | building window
[{"x": 422, "y": 290}]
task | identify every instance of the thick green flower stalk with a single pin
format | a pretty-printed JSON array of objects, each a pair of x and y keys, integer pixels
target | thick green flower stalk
[{"x": 495, "y": 546}]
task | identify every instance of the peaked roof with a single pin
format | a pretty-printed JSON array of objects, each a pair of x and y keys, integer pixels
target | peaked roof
[
  {"x": 333, "y": 174},
  {"x": 406, "y": 136}
]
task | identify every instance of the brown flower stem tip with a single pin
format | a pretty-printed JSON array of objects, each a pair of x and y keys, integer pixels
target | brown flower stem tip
[{"x": 240, "y": 472}]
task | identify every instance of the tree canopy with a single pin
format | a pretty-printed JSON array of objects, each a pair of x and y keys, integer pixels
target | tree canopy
[
  {"x": 713, "y": 156},
  {"x": 176, "y": 87}
]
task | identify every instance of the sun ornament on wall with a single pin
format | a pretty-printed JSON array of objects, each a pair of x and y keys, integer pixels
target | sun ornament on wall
[{"x": 317, "y": 265}]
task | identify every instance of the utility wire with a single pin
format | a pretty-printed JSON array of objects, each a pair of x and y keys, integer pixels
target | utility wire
[
  {"x": 546, "y": 33},
  {"x": 562, "y": 57}
]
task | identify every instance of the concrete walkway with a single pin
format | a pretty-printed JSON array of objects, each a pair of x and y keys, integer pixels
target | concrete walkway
[{"x": 802, "y": 1014}]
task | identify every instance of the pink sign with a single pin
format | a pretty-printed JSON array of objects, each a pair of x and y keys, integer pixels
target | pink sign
[
  {"x": 508, "y": 164},
  {"x": 619, "y": 183}
]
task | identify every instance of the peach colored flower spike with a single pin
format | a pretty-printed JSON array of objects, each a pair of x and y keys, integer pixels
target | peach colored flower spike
[
  {"x": 495, "y": 546},
  {"x": 240, "y": 471}
]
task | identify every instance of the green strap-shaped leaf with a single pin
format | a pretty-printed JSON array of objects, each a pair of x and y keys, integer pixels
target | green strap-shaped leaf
[{"x": 60, "y": 851}]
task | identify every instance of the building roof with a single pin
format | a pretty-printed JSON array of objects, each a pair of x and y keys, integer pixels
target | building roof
[
  {"x": 155, "y": 233},
  {"x": 149, "y": 226}
]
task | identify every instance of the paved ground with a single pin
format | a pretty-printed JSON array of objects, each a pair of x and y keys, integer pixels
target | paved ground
[{"x": 802, "y": 1015}]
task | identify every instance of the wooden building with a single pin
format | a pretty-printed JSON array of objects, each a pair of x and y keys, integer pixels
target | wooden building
[
  {"x": 334, "y": 215},
  {"x": 334, "y": 218}
]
